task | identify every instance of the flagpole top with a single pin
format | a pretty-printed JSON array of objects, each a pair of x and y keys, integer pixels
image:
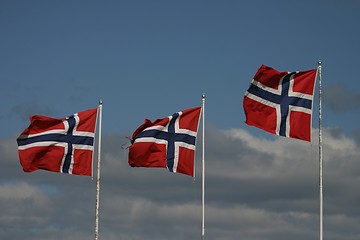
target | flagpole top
[
  {"x": 319, "y": 62},
  {"x": 100, "y": 102},
  {"x": 203, "y": 96}
]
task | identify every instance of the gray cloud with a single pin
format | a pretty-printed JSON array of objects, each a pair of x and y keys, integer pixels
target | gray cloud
[
  {"x": 339, "y": 98},
  {"x": 25, "y": 110},
  {"x": 257, "y": 189}
]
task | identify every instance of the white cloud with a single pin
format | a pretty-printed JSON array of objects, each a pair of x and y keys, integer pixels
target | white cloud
[
  {"x": 18, "y": 194},
  {"x": 256, "y": 188}
]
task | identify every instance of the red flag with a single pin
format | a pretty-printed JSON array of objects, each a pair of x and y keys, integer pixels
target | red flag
[
  {"x": 281, "y": 102},
  {"x": 167, "y": 143},
  {"x": 63, "y": 145}
]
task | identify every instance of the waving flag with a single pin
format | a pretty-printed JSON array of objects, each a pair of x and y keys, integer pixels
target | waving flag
[
  {"x": 59, "y": 144},
  {"x": 281, "y": 102},
  {"x": 167, "y": 143}
]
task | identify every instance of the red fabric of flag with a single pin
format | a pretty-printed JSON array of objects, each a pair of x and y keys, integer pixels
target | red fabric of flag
[
  {"x": 281, "y": 102},
  {"x": 63, "y": 145},
  {"x": 167, "y": 143}
]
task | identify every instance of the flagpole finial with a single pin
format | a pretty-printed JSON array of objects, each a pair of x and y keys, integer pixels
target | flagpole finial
[
  {"x": 319, "y": 62},
  {"x": 203, "y": 96},
  {"x": 100, "y": 102}
]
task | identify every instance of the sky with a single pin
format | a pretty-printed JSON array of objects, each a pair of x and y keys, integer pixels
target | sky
[{"x": 149, "y": 59}]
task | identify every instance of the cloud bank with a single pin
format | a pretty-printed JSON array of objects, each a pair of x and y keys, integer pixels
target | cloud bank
[{"x": 256, "y": 189}]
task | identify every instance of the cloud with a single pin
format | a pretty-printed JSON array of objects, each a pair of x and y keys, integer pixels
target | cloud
[
  {"x": 340, "y": 99},
  {"x": 256, "y": 189},
  {"x": 26, "y": 110},
  {"x": 19, "y": 193},
  {"x": 22, "y": 206}
]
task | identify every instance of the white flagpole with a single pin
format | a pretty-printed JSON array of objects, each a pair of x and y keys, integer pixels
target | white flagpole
[
  {"x": 320, "y": 157},
  {"x": 203, "y": 169},
  {"x": 98, "y": 176}
]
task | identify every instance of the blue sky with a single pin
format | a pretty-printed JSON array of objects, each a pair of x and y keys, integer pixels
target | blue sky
[
  {"x": 136, "y": 56},
  {"x": 149, "y": 59}
]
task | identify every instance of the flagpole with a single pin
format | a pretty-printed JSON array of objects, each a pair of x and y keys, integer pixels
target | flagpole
[
  {"x": 320, "y": 157},
  {"x": 203, "y": 169},
  {"x": 98, "y": 176}
]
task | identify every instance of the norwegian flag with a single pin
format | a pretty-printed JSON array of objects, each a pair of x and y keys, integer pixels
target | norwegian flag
[
  {"x": 281, "y": 102},
  {"x": 62, "y": 145},
  {"x": 167, "y": 143}
]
